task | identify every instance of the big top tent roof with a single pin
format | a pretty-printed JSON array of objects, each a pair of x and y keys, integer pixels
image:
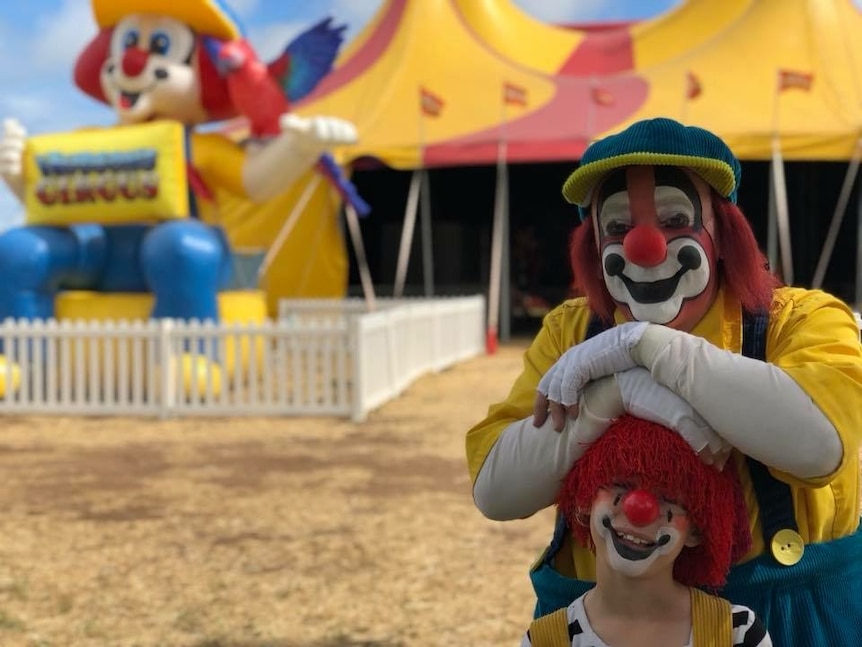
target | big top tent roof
[{"x": 714, "y": 64}]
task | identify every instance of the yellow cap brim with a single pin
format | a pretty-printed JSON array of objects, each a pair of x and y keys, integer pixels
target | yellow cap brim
[
  {"x": 578, "y": 188},
  {"x": 204, "y": 16}
]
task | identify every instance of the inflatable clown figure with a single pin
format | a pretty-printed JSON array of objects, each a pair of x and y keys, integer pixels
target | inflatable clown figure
[{"x": 118, "y": 210}]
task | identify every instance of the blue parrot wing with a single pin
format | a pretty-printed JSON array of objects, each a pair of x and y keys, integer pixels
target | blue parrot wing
[{"x": 309, "y": 58}]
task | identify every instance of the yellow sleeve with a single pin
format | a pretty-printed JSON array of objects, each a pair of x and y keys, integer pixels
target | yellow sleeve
[
  {"x": 219, "y": 160},
  {"x": 560, "y": 328},
  {"x": 814, "y": 338}
]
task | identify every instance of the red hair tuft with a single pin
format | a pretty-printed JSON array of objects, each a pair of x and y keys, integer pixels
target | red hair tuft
[{"x": 661, "y": 461}]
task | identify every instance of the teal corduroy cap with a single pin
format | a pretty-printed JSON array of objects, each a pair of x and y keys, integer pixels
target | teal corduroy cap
[{"x": 655, "y": 142}]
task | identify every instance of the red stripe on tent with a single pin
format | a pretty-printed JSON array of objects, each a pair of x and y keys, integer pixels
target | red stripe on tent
[
  {"x": 555, "y": 131},
  {"x": 601, "y": 52},
  {"x": 365, "y": 57}
]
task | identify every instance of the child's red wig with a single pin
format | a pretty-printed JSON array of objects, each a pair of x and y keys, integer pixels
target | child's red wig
[{"x": 658, "y": 459}]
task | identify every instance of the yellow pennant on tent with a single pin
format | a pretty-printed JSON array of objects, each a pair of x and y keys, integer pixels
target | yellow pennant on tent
[{"x": 113, "y": 175}]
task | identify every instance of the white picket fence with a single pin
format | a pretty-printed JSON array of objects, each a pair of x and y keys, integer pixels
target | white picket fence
[{"x": 320, "y": 357}]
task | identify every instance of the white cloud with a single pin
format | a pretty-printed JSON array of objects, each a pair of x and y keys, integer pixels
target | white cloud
[
  {"x": 61, "y": 36},
  {"x": 243, "y": 7}
]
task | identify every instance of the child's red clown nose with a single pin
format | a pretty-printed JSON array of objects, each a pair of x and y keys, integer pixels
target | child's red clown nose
[
  {"x": 641, "y": 507},
  {"x": 645, "y": 246}
]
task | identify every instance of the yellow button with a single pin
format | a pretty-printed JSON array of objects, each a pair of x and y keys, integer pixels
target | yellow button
[{"x": 787, "y": 547}]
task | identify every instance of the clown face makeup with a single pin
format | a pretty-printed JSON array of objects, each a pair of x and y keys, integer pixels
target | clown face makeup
[
  {"x": 150, "y": 73},
  {"x": 654, "y": 229},
  {"x": 637, "y": 532}
]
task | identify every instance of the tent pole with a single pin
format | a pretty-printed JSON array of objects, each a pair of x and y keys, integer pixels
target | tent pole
[
  {"x": 495, "y": 279},
  {"x": 427, "y": 242},
  {"x": 837, "y": 216},
  {"x": 771, "y": 231},
  {"x": 505, "y": 272},
  {"x": 781, "y": 210},
  {"x": 407, "y": 233},
  {"x": 361, "y": 260},
  {"x": 288, "y": 225}
]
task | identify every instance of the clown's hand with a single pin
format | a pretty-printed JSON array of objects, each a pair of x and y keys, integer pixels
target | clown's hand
[
  {"x": 272, "y": 168},
  {"x": 318, "y": 132},
  {"x": 605, "y": 354},
  {"x": 12, "y": 144},
  {"x": 645, "y": 398}
]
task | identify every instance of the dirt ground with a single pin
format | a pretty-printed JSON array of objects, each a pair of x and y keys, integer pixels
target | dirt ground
[{"x": 263, "y": 532}]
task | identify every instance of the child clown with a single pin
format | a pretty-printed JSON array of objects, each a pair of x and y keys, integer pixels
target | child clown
[{"x": 661, "y": 523}]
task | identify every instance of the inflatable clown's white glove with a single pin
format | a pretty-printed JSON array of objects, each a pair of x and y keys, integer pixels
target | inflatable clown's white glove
[
  {"x": 319, "y": 132},
  {"x": 271, "y": 169},
  {"x": 754, "y": 405},
  {"x": 645, "y": 398},
  {"x": 12, "y": 144},
  {"x": 607, "y": 353},
  {"x": 523, "y": 471}
]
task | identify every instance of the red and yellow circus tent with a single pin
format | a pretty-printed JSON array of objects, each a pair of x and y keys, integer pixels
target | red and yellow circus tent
[
  {"x": 432, "y": 83},
  {"x": 715, "y": 64}
]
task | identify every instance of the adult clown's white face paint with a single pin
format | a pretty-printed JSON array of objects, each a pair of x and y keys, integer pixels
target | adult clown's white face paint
[
  {"x": 151, "y": 72},
  {"x": 638, "y": 533},
  {"x": 654, "y": 229}
]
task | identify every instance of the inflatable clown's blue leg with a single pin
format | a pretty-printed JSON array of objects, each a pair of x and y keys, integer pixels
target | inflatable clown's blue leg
[
  {"x": 185, "y": 264},
  {"x": 36, "y": 261}
]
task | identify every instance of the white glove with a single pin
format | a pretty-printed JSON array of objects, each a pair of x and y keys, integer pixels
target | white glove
[
  {"x": 317, "y": 131},
  {"x": 645, "y": 398},
  {"x": 12, "y": 150},
  {"x": 605, "y": 354}
]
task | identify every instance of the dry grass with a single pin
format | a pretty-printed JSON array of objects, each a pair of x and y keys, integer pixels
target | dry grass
[{"x": 262, "y": 532}]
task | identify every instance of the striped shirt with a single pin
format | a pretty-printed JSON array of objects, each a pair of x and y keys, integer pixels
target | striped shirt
[{"x": 748, "y": 630}]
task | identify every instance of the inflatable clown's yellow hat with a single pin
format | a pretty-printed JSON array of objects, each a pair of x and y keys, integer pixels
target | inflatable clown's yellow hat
[{"x": 207, "y": 17}]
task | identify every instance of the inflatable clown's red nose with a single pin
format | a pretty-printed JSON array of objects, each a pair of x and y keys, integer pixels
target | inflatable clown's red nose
[
  {"x": 134, "y": 61},
  {"x": 641, "y": 507},
  {"x": 645, "y": 246}
]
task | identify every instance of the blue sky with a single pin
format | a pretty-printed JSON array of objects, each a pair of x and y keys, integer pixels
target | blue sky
[{"x": 40, "y": 39}]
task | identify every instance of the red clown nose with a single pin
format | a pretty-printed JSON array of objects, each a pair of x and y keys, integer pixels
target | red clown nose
[
  {"x": 645, "y": 246},
  {"x": 640, "y": 507}
]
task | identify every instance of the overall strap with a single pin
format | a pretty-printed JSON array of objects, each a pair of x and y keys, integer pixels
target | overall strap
[
  {"x": 595, "y": 326},
  {"x": 551, "y": 630},
  {"x": 711, "y": 620},
  {"x": 774, "y": 497}
]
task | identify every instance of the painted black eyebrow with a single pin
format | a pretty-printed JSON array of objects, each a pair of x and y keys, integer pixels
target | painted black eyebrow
[
  {"x": 676, "y": 177},
  {"x": 613, "y": 183},
  {"x": 664, "y": 176}
]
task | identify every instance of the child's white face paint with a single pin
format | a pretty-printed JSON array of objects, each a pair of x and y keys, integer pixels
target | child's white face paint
[{"x": 634, "y": 550}]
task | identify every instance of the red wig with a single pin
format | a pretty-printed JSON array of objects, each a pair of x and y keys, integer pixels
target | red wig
[
  {"x": 659, "y": 460},
  {"x": 742, "y": 266}
]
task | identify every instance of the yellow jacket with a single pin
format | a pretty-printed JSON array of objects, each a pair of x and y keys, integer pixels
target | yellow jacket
[{"x": 812, "y": 336}]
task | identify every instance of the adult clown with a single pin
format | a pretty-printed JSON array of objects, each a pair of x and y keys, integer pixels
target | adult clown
[
  {"x": 166, "y": 60},
  {"x": 671, "y": 269}
]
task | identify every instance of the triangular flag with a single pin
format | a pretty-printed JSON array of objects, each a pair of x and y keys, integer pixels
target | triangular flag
[
  {"x": 789, "y": 79},
  {"x": 430, "y": 103},
  {"x": 515, "y": 95}
]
